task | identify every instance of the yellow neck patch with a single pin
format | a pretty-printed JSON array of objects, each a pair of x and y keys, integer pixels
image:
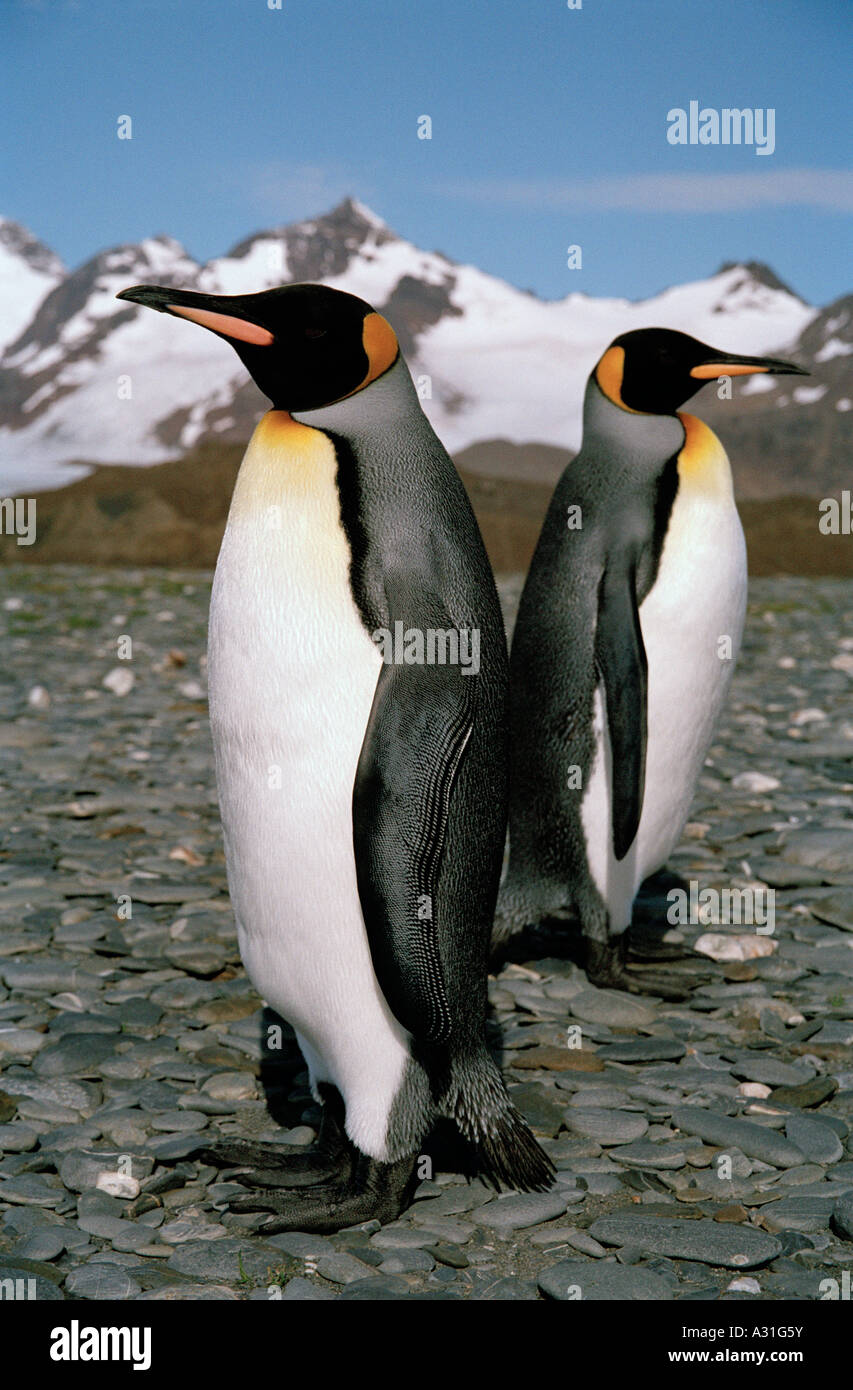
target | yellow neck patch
[
  {"x": 609, "y": 374},
  {"x": 285, "y": 460},
  {"x": 703, "y": 464}
]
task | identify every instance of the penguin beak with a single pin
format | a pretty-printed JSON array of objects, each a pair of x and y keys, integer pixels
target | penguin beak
[
  {"x": 222, "y": 314},
  {"x": 731, "y": 364}
]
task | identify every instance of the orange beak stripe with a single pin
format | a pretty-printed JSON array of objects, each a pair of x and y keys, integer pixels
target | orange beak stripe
[
  {"x": 708, "y": 370},
  {"x": 225, "y": 323}
]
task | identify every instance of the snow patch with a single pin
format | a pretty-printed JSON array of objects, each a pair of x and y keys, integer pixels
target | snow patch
[
  {"x": 834, "y": 348},
  {"x": 807, "y": 395}
]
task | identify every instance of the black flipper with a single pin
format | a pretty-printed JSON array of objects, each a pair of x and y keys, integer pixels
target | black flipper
[
  {"x": 621, "y": 661},
  {"x": 419, "y": 727}
]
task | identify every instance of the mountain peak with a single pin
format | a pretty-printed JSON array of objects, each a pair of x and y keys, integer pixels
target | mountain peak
[
  {"x": 350, "y": 209},
  {"x": 19, "y": 241},
  {"x": 321, "y": 247},
  {"x": 761, "y": 274}
]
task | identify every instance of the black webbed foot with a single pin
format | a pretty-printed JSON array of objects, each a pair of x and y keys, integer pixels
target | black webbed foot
[
  {"x": 369, "y": 1191},
  {"x": 607, "y": 968},
  {"x": 289, "y": 1165}
]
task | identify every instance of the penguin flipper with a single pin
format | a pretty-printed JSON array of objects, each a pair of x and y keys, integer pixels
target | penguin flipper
[
  {"x": 419, "y": 727},
  {"x": 621, "y": 661}
]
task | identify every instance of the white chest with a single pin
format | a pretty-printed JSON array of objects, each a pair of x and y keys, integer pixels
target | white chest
[{"x": 292, "y": 676}]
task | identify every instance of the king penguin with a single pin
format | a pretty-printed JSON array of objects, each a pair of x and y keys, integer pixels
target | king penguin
[
  {"x": 362, "y": 783},
  {"x": 628, "y": 630}
]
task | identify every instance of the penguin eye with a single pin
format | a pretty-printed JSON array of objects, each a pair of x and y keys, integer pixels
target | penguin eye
[{"x": 315, "y": 332}]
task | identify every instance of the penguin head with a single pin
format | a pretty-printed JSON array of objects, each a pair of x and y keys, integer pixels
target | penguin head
[
  {"x": 653, "y": 371},
  {"x": 305, "y": 346}
]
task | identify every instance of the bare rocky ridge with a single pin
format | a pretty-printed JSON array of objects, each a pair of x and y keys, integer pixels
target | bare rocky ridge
[{"x": 173, "y": 514}]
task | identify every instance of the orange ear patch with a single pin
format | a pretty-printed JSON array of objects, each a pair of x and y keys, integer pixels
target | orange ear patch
[
  {"x": 232, "y": 327},
  {"x": 708, "y": 370},
  {"x": 380, "y": 344},
  {"x": 608, "y": 374}
]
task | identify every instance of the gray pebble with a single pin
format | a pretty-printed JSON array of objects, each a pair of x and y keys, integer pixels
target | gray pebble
[
  {"x": 799, "y": 1213},
  {"x": 654, "y": 1049},
  {"x": 381, "y": 1288},
  {"x": 771, "y": 1072},
  {"x": 510, "y": 1289},
  {"x": 616, "y": 1010},
  {"x": 666, "y": 1156},
  {"x": 579, "y": 1279},
  {"x": 407, "y": 1262},
  {"x": 78, "y": 1054},
  {"x": 607, "y": 1127},
  {"x": 818, "y": 1141},
  {"x": 225, "y": 1261},
  {"x": 303, "y": 1291},
  {"x": 101, "y": 1281},
  {"x": 32, "y": 1189},
  {"x": 708, "y": 1242},
  {"x": 508, "y": 1214},
  {"x": 301, "y": 1244},
  {"x": 18, "y": 1137},
  {"x": 178, "y": 1121},
  {"x": 340, "y": 1268},
  {"x": 842, "y": 1216},
  {"x": 44, "y": 1244},
  {"x": 80, "y": 1171},
  {"x": 753, "y": 1139}
]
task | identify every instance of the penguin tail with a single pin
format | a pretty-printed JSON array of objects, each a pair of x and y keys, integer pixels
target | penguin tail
[{"x": 507, "y": 1151}]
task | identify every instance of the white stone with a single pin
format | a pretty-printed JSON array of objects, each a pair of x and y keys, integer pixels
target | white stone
[
  {"x": 743, "y": 1285},
  {"x": 118, "y": 1185},
  {"x": 735, "y": 947},
  {"x": 808, "y": 716},
  {"x": 119, "y": 680},
  {"x": 755, "y": 782},
  {"x": 231, "y": 1085},
  {"x": 191, "y": 690}
]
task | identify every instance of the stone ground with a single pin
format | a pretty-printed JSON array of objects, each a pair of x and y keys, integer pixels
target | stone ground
[{"x": 125, "y": 1041}]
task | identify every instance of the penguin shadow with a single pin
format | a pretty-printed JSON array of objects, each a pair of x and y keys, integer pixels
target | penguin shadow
[
  {"x": 289, "y": 1102},
  {"x": 561, "y": 938}
]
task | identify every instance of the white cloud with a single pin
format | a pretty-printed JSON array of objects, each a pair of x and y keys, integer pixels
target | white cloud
[{"x": 828, "y": 189}]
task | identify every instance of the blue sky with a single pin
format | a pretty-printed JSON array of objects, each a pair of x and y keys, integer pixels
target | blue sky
[{"x": 548, "y": 123}]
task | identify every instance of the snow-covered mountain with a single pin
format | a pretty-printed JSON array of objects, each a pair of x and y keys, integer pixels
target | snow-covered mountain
[
  {"x": 28, "y": 269},
  {"x": 87, "y": 379}
]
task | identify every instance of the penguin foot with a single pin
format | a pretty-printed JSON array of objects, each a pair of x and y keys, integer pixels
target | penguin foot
[
  {"x": 607, "y": 969},
  {"x": 289, "y": 1165},
  {"x": 370, "y": 1191},
  {"x": 274, "y": 1165},
  {"x": 643, "y": 946}
]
